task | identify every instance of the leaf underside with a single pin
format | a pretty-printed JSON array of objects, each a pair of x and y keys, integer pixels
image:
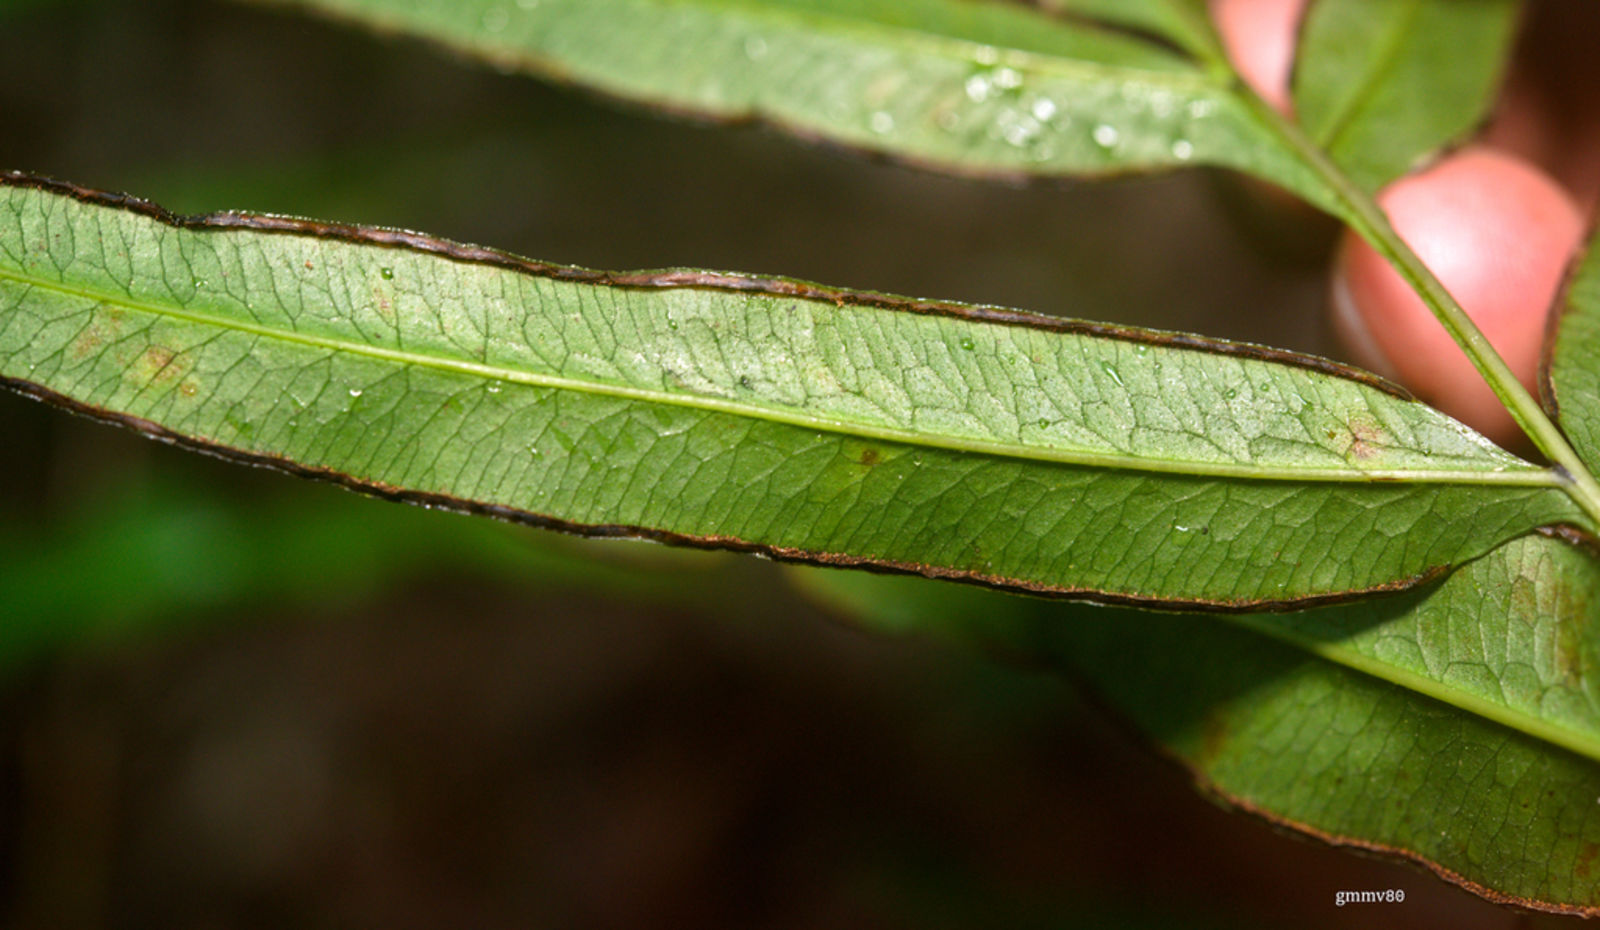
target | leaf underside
[
  {"x": 775, "y": 416},
  {"x": 1073, "y": 87},
  {"x": 1448, "y": 723},
  {"x": 971, "y": 88}
]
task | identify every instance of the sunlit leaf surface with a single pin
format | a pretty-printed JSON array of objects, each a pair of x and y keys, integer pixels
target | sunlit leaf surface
[{"x": 808, "y": 423}]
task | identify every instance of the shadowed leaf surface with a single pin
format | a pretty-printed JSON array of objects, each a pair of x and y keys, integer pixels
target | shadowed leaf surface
[
  {"x": 1430, "y": 725},
  {"x": 1572, "y": 373},
  {"x": 984, "y": 88}
]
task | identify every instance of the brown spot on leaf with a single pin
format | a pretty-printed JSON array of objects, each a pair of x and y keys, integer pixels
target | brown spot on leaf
[
  {"x": 1584, "y": 866},
  {"x": 158, "y": 365},
  {"x": 159, "y": 358},
  {"x": 1366, "y": 438},
  {"x": 870, "y": 457},
  {"x": 188, "y": 389},
  {"x": 1571, "y": 634},
  {"x": 385, "y": 306},
  {"x": 89, "y": 342},
  {"x": 1213, "y": 738},
  {"x": 104, "y": 329}
]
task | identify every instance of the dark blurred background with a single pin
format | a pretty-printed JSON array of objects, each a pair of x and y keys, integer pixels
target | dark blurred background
[{"x": 234, "y": 699}]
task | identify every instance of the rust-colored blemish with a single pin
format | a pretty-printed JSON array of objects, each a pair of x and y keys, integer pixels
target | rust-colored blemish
[
  {"x": 1583, "y": 868},
  {"x": 188, "y": 389},
  {"x": 870, "y": 457},
  {"x": 1213, "y": 737},
  {"x": 1524, "y": 597},
  {"x": 89, "y": 342},
  {"x": 104, "y": 329},
  {"x": 1366, "y": 438},
  {"x": 1569, "y": 642},
  {"x": 157, "y": 364},
  {"x": 383, "y": 304}
]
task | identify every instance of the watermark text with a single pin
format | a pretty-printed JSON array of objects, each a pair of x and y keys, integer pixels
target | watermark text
[{"x": 1387, "y": 896}]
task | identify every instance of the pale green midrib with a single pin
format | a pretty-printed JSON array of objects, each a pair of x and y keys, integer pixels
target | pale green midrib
[
  {"x": 1343, "y": 117},
  {"x": 1584, "y": 743},
  {"x": 1530, "y": 477},
  {"x": 916, "y": 41}
]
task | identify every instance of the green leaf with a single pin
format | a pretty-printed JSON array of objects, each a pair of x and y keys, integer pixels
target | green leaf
[
  {"x": 1184, "y": 23},
  {"x": 1572, "y": 373},
  {"x": 979, "y": 88},
  {"x": 1381, "y": 84},
  {"x": 1362, "y": 762},
  {"x": 1458, "y": 726},
  {"x": 1514, "y": 637},
  {"x": 808, "y": 423}
]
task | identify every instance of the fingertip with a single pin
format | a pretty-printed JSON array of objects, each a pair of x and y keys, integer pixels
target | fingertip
[{"x": 1498, "y": 234}]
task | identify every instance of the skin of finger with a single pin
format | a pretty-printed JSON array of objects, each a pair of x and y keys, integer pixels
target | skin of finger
[
  {"x": 1259, "y": 37},
  {"x": 1549, "y": 109},
  {"x": 1498, "y": 233}
]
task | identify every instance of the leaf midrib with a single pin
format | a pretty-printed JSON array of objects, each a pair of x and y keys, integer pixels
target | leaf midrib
[{"x": 1516, "y": 477}]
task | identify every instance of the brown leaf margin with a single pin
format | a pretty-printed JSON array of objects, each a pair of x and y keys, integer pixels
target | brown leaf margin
[
  {"x": 691, "y": 278},
  {"x": 1194, "y": 771}
]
